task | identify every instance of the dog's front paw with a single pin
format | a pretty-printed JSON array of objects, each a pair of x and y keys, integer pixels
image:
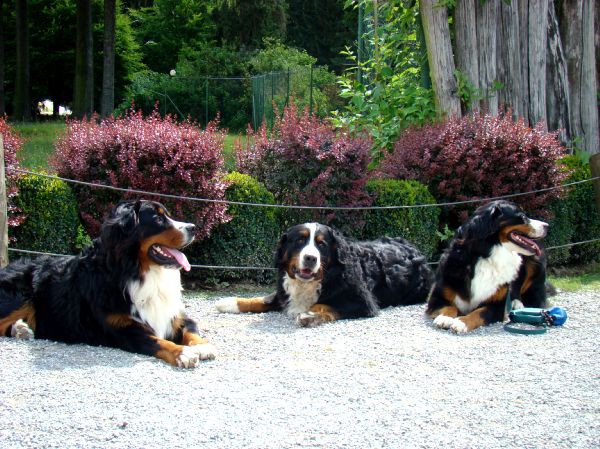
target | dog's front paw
[
  {"x": 21, "y": 331},
  {"x": 309, "y": 319},
  {"x": 191, "y": 355},
  {"x": 444, "y": 322},
  {"x": 517, "y": 304},
  {"x": 228, "y": 305},
  {"x": 459, "y": 326}
]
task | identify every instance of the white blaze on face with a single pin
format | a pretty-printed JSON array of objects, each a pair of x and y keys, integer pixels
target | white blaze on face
[
  {"x": 539, "y": 229},
  {"x": 310, "y": 249}
]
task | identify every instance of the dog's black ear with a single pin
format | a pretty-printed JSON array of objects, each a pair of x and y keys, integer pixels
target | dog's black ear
[
  {"x": 281, "y": 253},
  {"x": 120, "y": 224},
  {"x": 341, "y": 248}
]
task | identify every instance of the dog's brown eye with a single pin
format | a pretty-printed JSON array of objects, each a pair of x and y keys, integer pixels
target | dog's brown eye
[{"x": 322, "y": 243}]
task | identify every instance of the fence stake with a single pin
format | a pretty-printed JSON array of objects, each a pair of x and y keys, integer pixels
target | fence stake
[
  {"x": 206, "y": 102},
  {"x": 311, "y": 90},
  {"x": 595, "y": 169},
  {"x": 3, "y": 210}
]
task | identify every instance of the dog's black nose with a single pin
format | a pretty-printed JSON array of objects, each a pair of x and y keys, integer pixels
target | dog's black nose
[
  {"x": 190, "y": 228},
  {"x": 310, "y": 261}
]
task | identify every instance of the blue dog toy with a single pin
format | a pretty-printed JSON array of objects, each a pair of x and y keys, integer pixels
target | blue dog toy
[{"x": 539, "y": 318}]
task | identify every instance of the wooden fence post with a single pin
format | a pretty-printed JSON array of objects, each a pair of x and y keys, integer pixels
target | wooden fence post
[
  {"x": 3, "y": 210},
  {"x": 595, "y": 169}
]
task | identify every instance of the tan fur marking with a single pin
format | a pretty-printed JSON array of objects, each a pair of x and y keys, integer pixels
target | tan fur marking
[
  {"x": 522, "y": 228},
  {"x": 449, "y": 295},
  {"x": 253, "y": 305},
  {"x": 25, "y": 313},
  {"x": 119, "y": 320},
  {"x": 171, "y": 237},
  {"x": 473, "y": 320},
  {"x": 449, "y": 311},
  {"x": 168, "y": 351},
  {"x": 191, "y": 339},
  {"x": 529, "y": 272},
  {"x": 327, "y": 313}
]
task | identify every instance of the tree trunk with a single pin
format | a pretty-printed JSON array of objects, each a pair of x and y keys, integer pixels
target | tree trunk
[
  {"x": 107, "y": 104},
  {"x": 2, "y": 99},
  {"x": 486, "y": 19},
  {"x": 83, "y": 97},
  {"x": 439, "y": 55},
  {"x": 589, "y": 83},
  {"x": 576, "y": 28},
  {"x": 523, "y": 10},
  {"x": 557, "y": 89},
  {"x": 536, "y": 60},
  {"x": 467, "y": 52},
  {"x": 510, "y": 67},
  {"x": 22, "y": 101}
]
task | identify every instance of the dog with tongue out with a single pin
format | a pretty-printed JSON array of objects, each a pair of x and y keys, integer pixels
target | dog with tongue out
[
  {"x": 494, "y": 257},
  {"x": 123, "y": 291}
]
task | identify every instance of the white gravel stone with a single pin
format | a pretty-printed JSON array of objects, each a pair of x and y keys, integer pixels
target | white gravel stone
[{"x": 394, "y": 381}]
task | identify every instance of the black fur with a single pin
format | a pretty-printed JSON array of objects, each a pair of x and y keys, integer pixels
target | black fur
[
  {"x": 485, "y": 230},
  {"x": 358, "y": 278},
  {"x": 85, "y": 298}
]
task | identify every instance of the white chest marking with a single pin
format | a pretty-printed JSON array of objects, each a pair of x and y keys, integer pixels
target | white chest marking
[
  {"x": 500, "y": 268},
  {"x": 302, "y": 295},
  {"x": 157, "y": 299}
]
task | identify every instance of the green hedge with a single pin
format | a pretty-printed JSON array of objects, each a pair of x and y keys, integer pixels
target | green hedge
[
  {"x": 51, "y": 217},
  {"x": 418, "y": 225},
  {"x": 249, "y": 239},
  {"x": 576, "y": 219}
]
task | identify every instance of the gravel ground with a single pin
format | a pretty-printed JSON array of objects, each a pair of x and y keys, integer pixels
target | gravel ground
[{"x": 387, "y": 382}]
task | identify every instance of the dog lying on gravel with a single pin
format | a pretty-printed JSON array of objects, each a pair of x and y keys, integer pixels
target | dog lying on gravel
[
  {"x": 123, "y": 291},
  {"x": 323, "y": 277}
]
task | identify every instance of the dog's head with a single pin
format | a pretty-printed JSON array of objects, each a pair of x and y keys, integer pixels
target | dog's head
[
  {"x": 146, "y": 227},
  {"x": 306, "y": 251},
  {"x": 505, "y": 223}
]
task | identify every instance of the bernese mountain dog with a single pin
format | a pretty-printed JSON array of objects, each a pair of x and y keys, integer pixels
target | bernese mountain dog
[
  {"x": 122, "y": 291},
  {"x": 323, "y": 277},
  {"x": 493, "y": 253}
]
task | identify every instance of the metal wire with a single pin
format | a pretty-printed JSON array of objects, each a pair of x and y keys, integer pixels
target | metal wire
[
  {"x": 285, "y": 206},
  {"x": 231, "y": 267}
]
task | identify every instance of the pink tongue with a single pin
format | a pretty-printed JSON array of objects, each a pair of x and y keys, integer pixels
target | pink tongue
[{"x": 179, "y": 256}]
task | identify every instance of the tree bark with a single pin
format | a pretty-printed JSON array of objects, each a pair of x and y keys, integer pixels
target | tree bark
[
  {"x": 523, "y": 10},
  {"x": 557, "y": 91},
  {"x": 510, "y": 67},
  {"x": 22, "y": 100},
  {"x": 536, "y": 60},
  {"x": 576, "y": 29},
  {"x": 83, "y": 96},
  {"x": 2, "y": 98},
  {"x": 439, "y": 55},
  {"x": 589, "y": 83},
  {"x": 487, "y": 18},
  {"x": 467, "y": 51},
  {"x": 107, "y": 104}
]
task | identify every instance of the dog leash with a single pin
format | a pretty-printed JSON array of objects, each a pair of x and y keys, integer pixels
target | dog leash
[{"x": 537, "y": 319}]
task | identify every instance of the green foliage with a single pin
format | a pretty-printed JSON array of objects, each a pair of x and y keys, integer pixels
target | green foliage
[
  {"x": 52, "y": 50},
  {"x": 575, "y": 218},
  {"x": 249, "y": 239},
  {"x": 383, "y": 90},
  {"x": 418, "y": 225},
  {"x": 164, "y": 28},
  {"x": 51, "y": 217}
]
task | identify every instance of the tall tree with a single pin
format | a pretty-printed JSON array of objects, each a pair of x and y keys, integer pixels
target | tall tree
[
  {"x": 2, "y": 100},
  {"x": 83, "y": 96},
  {"x": 22, "y": 101},
  {"x": 440, "y": 57},
  {"x": 107, "y": 103}
]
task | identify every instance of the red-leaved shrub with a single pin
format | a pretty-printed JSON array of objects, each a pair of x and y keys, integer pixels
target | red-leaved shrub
[
  {"x": 152, "y": 154},
  {"x": 478, "y": 157},
  {"x": 304, "y": 161},
  {"x": 12, "y": 144}
]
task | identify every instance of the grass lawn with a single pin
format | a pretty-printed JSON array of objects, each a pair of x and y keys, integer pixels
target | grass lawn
[
  {"x": 39, "y": 143},
  {"x": 589, "y": 279}
]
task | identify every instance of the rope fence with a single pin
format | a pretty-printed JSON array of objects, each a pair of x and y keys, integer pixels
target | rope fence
[
  {"x": 289, "y": 206},
  {"x": 286, "y": 206}
]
